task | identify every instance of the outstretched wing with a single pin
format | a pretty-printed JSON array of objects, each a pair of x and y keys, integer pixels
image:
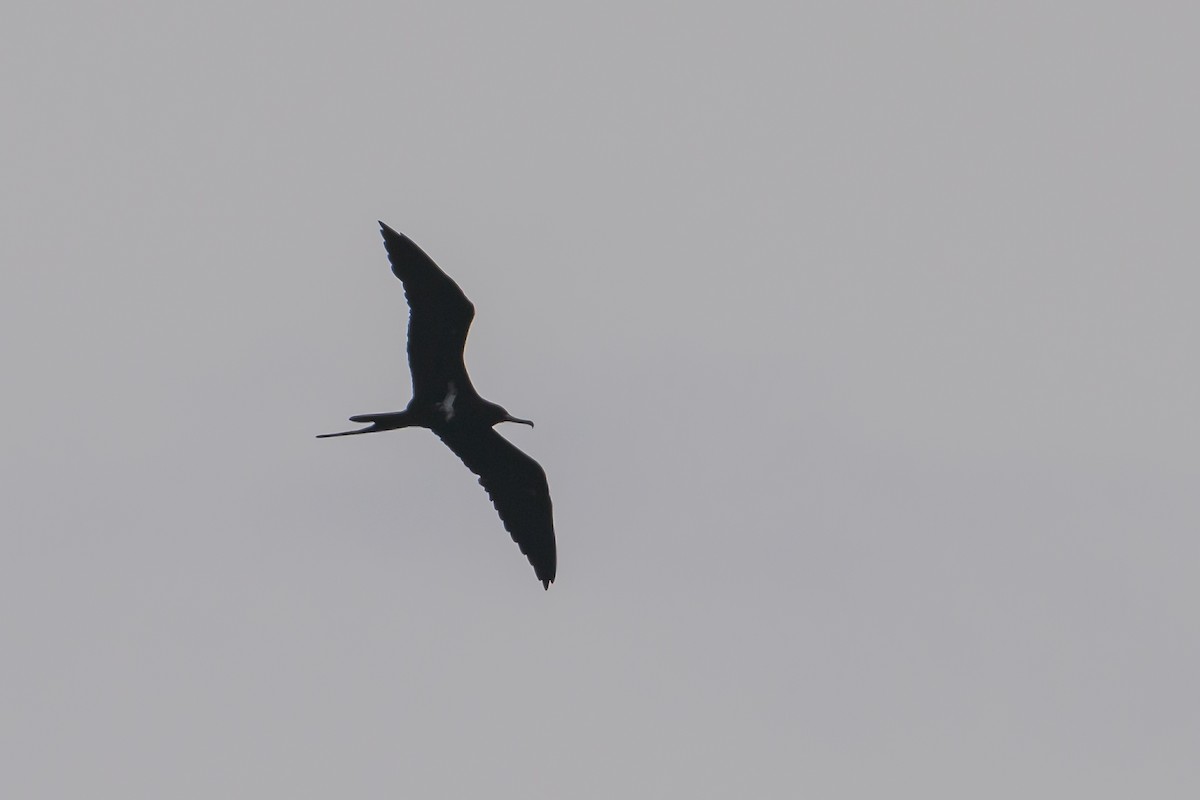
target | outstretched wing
[
  {"x": 517, "y": 485},
  {"x": 439, "y": 317}
]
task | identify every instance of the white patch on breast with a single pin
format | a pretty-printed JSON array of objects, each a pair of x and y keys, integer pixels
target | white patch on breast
[{"x": 447, "y": 404}]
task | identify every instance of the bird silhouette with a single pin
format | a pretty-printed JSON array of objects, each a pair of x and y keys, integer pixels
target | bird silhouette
[{"x": 445, "y": 402}]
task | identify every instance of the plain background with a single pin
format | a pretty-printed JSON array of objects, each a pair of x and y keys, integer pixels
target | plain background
[{"x": 861, "y": 339}]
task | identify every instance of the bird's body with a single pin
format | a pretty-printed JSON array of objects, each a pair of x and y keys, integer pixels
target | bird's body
[{"x": 445, "y": 402}]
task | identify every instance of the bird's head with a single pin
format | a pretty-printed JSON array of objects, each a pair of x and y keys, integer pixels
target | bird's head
[{"x": 498, "y": 414}]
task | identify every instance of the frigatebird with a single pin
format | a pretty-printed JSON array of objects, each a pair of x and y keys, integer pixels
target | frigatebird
[{"x": 444, "y": 401}]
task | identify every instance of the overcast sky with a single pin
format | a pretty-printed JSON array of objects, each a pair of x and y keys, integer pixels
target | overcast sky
[{"x": 861, "y": 341}]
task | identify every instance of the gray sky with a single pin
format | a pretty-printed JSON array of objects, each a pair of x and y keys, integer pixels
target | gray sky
[{"x": 861, "y": 339}]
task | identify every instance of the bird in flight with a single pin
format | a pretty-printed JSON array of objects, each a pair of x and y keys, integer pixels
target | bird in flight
[{"x": 445, "y": 402}]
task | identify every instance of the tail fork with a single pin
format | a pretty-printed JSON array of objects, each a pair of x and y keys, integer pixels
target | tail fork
[{"x": 379, "y": 422}]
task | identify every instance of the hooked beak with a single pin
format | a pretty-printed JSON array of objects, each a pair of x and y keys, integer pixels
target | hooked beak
[{"x": 521, "y": 421}]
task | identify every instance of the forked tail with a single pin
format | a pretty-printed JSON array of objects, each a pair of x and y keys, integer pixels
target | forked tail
[{"x": 387, "y": 421}]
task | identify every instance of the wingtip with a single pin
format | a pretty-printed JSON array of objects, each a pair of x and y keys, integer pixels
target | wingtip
[{"x": 546, "y": 584}]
